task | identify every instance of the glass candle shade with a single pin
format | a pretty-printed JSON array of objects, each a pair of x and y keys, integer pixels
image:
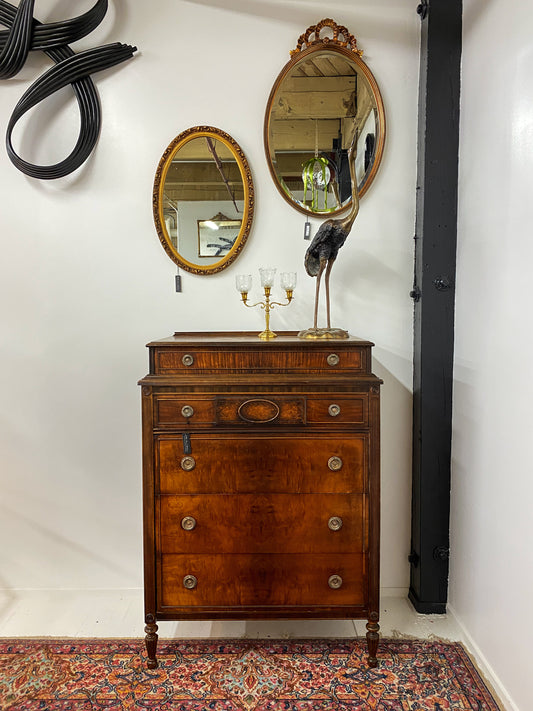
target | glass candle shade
[
  {"x": 288, "y": 280},
  {"x": 243, "y": 283},
  {"x": 267, "y": 275}
]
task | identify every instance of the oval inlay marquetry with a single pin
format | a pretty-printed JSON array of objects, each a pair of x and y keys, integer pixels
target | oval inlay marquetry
[{"x": 258, "y": 410}]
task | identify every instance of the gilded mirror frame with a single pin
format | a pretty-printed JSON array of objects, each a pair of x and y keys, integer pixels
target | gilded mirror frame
[
  {"x": 345, "y": 45},
  {"x": 158, "y": 198}
]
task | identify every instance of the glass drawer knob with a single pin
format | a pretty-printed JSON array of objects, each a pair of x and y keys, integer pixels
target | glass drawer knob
[
  {"x": 335, "y": 582},
  {"x": 188, "y": 463},
  {"x": 190, "y": 582},
  {"x": 335, "y": 523},
  {"x": 333, "y": 359},
  {"x": 187, "y": 411},
  {"x": 188, "y": 523},
  {"x": 187, "y": 359},
  {"x": 335, "y": 463},
  {"x": 334, "y": 410}
]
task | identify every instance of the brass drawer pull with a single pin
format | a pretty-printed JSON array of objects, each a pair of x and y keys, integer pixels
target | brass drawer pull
[
  {"x": 188, "y": 523},
  {"x": 190, "y": 582},
  {"x": 187, "y": 359},
  {"x": 335, "y": 582},
  {"x": 187, "y": 411},
  {"x": 334, "y": 410},
  {"x": 333, "y": 359},
  {"x": 188, "y": 463},
  {"x": 335, "y": 523},
  {"x": 335, "y": 463}
]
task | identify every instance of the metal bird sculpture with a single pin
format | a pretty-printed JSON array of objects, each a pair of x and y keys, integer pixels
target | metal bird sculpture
[{"x": 324, "y": 248}]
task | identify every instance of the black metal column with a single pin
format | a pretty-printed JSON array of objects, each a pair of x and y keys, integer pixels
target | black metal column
[{"x": 434, "y": 295}]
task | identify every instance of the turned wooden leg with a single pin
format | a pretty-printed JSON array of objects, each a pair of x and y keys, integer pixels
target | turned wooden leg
[
  {"x": 372, "y": 639},
  {"x": 151, "y": 641}
]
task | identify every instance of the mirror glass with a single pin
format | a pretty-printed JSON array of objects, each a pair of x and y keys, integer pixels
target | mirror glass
[
  {"x": 322, "y": 96},
  {"x": 203, "y": 200}
]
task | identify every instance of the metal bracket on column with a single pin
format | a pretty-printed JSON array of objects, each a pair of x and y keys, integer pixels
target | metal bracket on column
[
  {"x": 422, "y": 9},
  {"x": 441, "y": 553},
  {"x": 415, "y": 294},
  {"x": 442, "y": 283}
]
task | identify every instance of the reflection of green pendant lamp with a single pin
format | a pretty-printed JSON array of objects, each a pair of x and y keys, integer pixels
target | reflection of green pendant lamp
[{"x": 316, "y": 176}]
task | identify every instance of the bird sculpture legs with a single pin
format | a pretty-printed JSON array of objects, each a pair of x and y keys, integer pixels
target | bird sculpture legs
[
  {"x": 322, "y": 266},
  {"x": 326, "y": 279},
  {"x": 325, "y": 264}
]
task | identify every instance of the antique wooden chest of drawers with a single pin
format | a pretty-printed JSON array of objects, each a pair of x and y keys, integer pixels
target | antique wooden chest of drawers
[{"x": 261, "y": 480}]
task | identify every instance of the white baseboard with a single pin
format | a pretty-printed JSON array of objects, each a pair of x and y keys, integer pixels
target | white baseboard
[{"x": 484, "y": 667}]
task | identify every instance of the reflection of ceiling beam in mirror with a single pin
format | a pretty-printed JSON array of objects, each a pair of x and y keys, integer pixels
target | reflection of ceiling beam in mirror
[
  {"x": 197, "y": 149},
  {"x": 300, "y": 135},
  {"x": 330, "y": 64},
  {"x": 200, "y": 180},
  {"x": 315, "y": 69},
  {"x": 319, "y": 97},
  {"x": 291, "y": 124},
  {"x": 200, "y": 171}
]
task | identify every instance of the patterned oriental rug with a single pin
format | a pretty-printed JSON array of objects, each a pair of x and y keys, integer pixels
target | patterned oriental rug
[{"x": 239, "y": 675}]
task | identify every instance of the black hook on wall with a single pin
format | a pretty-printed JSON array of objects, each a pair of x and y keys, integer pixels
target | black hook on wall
[{"x": 27, "y": 34}]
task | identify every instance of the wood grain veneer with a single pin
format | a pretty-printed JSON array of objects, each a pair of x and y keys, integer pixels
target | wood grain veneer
[{"x": 260, "y": 480}]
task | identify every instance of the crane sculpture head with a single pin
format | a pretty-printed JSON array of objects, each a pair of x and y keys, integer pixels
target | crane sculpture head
[{"x": 324, "y": 248}]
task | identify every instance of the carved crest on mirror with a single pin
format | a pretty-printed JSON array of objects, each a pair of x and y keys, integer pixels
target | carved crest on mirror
[
  {"x": 203, "y": 200},
  {"x": 321, "y": 98}
]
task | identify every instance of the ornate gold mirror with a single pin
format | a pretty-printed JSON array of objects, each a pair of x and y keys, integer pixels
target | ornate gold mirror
[
  {"x": 203, "y": 200},
  {"x": 323, "y": 95}
]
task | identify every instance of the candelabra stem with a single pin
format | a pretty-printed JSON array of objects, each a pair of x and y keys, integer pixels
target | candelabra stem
[{"x": 267, "y": 333}]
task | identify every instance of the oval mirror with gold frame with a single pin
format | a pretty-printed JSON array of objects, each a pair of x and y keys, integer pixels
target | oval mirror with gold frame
[
  {"x": 203, "y": 200},
  {"x": 321, "y": 97}
]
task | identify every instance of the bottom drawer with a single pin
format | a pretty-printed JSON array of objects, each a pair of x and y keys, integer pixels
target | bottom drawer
[{"x": 261, "y": 580}]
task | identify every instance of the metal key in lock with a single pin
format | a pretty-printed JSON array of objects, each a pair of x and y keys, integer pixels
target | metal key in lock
[{"x": 187, "y": 448}]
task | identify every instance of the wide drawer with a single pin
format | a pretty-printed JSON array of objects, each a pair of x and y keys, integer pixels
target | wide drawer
[
  {"x": 188, "y": 359},
  {"x": 255, "y": 523},
  {"x": 233, "y": 463},
  {"x": 258, "y": 409},
  {"x": 261, "y": 580}
]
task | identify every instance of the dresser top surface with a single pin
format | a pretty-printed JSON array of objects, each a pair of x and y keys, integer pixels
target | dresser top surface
[{"x": 250, "y": 338}]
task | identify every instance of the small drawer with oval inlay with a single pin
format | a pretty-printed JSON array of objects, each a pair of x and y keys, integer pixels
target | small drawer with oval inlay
[{"x": 257, "y": 410}]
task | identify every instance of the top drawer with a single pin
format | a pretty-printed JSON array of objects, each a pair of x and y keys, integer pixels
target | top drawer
[{"x": 278, "y": 356}]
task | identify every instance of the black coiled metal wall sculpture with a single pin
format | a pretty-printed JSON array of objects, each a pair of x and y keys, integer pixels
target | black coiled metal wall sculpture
[{"x": 25, "y": 34}]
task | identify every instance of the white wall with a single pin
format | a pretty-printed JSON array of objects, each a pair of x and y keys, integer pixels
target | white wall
[
  {"x": 85, "y": 282},
  {"x": 491, "y": 578}
]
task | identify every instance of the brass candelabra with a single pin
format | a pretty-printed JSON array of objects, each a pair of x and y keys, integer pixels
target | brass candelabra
[{"x": 243, "y": 282}]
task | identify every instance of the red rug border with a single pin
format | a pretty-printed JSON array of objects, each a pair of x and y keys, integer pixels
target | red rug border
[{"x": 237, "y": 642}]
